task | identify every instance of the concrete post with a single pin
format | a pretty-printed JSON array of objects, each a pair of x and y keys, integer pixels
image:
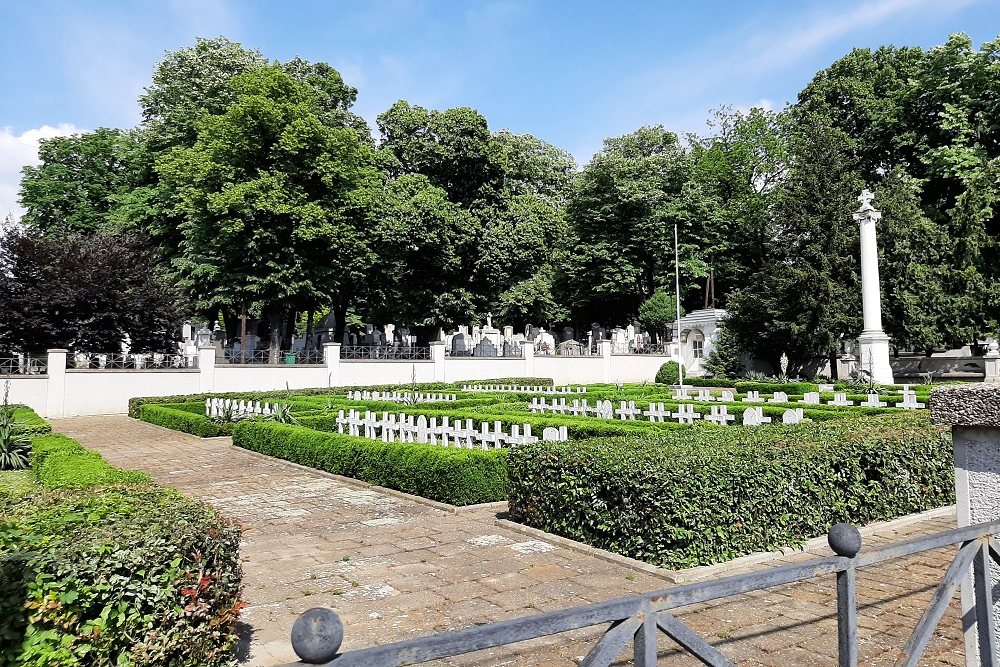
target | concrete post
[
  {"x": 973, "y": 412},
  {"x": 528, "y": 347},
  {"x": 873, "y": 342},
  {"x": 55, "y": 400},
  {"x": 437, "y": 356},
  {"x": 331, "y": 357},
  {"x": 206, "y": 369},
  {"x": 604, "y": 345},
  {"x": 992, "y": 362}
]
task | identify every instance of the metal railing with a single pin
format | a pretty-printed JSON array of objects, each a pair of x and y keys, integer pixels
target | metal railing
[
  {"x": 503, "y": 351},
  {"x": 131, "y": 361},
  {"x": 24, "y": 365},
  {"x": 282, "y": 358},
  {"x": 637, "y": 620},
  {"x": 385, "y": 352},
  {"x": 633, "y": 347},
  {"x": 571, "y": 349}
]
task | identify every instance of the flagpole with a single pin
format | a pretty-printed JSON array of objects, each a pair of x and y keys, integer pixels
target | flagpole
[{"x": 677, "y": 294}]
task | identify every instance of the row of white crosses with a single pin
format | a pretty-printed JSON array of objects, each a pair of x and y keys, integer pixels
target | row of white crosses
[
  {"x": 509, "y": 389},
  {"x": 391, "y": 427},
  {"x": 658, "y": 412},
  {"x": 216, "y": 407},
  {"x": 810, "y": 398},
  {"x": 400, "y": 396}
]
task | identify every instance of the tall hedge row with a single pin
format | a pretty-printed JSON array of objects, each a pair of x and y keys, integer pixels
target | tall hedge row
[
  {"x": 679, "y": 499},
  {"x": 450, "y": 475},
  {"x": 99, "y": 566}
]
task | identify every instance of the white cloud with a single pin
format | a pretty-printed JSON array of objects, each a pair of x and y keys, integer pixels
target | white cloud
[{"x": 17, "y": 151}]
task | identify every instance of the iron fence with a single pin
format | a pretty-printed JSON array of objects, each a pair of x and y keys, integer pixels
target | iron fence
[
  {"x": 638, "y": 619},
  {"x": 503, "y": 351},
  {"x": 385, "y": 352},
  {"x": 279, "y": 358},
  {"x": 633, "y": 347},
  {"x": 24, "y": 365},
  {"x": 130, "y": 361}
]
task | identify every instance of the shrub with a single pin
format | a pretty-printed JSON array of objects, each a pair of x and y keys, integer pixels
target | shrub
[
  {"x": 178, "y": 418},
  {"x": 133, "y": 575},
  {"x": 30, "y": 421},
  {"x": 60, "y": 462},
  {"x": 456, "y": 476},
  {"x": 669, "y": 373},
  {"x": 515, "y": 382},
  {"x": 703, "y": 495}
]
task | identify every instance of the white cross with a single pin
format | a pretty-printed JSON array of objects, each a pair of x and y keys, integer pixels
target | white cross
[
  {"x": 579, "y": 410},
  {"x": 792, "y": 416},
  {"x": 720, "y": 415},
  {"x": 840, "y": 399},
  {"x": 705, "y": 395},
  {"x": 728, "y": 396},
  {"x": 682, "y": 393},
  {"x": 811, "y": 398},
  {"x": 753, "y": 397},
  {"x": 341, "y": 421},
  {"x": 873, "y": 402},
  {"x": 910, "y": 401},
  {"x": 778, "y": 397},
  {"x": 354, "y": 423},
  {"x": 686, "y": 414},
  {"x": 604, "y": 410},
  {"x": 628, "y": 411},
  {"x": 657, "y": 413}
]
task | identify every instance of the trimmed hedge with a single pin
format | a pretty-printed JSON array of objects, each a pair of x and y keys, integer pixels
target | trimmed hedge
[
  {"x": 102, "y": 567},
  {"x": 449, "y": 475},
  {"x": 518, "y": 382},
  {"x": 30, "y": 421},
  {"x": 669, "y": 373},
  {"x": 173, "y": 417},
  {"x": 704, "y": 495}
]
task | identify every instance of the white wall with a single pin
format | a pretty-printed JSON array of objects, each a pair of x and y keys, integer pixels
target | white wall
[
  {"x": 457, "y": 369},
  {"x": 31, "y": 390},
  {"x": 570, "y": 370},
  {"x": 94, "y": 392},
  {"x": 361, "y": 372},
  {"x": 636, "y": 368},
  {"x": 269, "y": 378}
]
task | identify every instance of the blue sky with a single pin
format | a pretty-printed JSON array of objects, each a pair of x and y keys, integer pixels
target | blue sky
[{"x": 569, "y": 72}]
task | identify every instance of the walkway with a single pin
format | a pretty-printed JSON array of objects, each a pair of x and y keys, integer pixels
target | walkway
[{"x": 395, "y": 569}]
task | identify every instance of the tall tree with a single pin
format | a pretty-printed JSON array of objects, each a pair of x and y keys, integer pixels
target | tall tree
[{"x": 266, "y": 199}]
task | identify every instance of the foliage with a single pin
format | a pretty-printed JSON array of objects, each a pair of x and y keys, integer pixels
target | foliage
[
  {"x": 15, "y": 442},
  {"x": 83, "y": 293},
  {"x": 659, "y": 312},
  {"x": 60, "y": 462},
  {"x": 179, "y": 420},
  {"x": 669, "y": 373},
  {"x": 725, "y": 360},
  {"x": 706, "y": 495},
  {"x": 456, "y": 476}
]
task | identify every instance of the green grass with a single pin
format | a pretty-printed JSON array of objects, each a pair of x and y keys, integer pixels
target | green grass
[{"x": 17, "y": 482}]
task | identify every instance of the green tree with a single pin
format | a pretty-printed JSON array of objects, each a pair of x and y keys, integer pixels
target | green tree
[
  {"x": 658, "y": 313},
  {"x": 808, "y": 299},
  {"x": 267, "y": 199},
  {"x": 79, "y": 182}
]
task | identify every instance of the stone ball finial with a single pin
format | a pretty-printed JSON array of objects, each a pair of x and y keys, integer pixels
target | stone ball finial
[
  {"x": 317, "y": 635},
  {"x": 845, "y": 540}
]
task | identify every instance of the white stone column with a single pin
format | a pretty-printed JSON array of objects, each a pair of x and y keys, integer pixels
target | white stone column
[
  {"x": 992, "y": 362},
  {"x": 206, "y": 369},
  {"x": 604, "y": 345},
  {"x": 528, "y": 348},
  {"x": 873, "y": 342},
  {"x": 973, "y": 412},
  {"x": 331, "y": 357},
  {"x": 55, "y": 400},
  {"x": 437, "y": 356}
]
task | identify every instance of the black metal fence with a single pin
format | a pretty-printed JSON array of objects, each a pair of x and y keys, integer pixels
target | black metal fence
[
  {"x": 638, "y": 620},
  {"x": 106, "y": 361},
  {"x": 269, "y": 358},
  {"x": 386, "y": 352},
  {"x": 24, "y": 365}
]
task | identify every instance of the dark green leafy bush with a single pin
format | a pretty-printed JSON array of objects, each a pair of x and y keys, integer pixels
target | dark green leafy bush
[
  {"x": 669, "y": 373},
  {"x": 450, "y": 475},
  {"x": 60, "y": 462},
  {"x": 178, "y": 418},
  {"x": 704, "y": 495}
]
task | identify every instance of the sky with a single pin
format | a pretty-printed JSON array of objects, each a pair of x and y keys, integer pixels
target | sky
[{"x": 572, "y": 72}]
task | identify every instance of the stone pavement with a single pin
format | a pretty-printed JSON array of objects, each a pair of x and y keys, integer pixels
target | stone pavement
[{"x": 396, "y": 569}]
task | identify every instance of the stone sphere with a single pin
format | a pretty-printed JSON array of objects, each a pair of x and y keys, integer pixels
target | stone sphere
[
  {"x": 317, "y": 635},
  {"x": 845, "y": 540}
]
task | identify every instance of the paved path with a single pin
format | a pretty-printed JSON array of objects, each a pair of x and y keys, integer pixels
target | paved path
[{"x": 395, "y": 569}]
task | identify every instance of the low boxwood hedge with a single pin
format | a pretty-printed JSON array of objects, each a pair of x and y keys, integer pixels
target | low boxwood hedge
[
  {"x": 176, "y": 418},
  {"x": 103, "y": 567},
  {"x": 449, "y": 475},
  {"x": 704, "y": 495},
  {"x": 29, "y": 420}
]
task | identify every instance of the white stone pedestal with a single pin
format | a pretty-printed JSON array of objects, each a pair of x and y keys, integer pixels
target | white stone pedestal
[{"x": 873, "y": 356}]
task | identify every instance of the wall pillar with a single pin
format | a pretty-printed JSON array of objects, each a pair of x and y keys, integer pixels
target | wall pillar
[
  {"x": 992, "y": 363},
  {"x": 604, "y": 345},
  {"x": 206, "y": 369},
  {"x": 528, "y": 347},
  {"x": 973, "y": 412},
  {"x": 437, "y": 356},
  {"x": 55, "y": 400},
  {"x": 331, "y": 357}
]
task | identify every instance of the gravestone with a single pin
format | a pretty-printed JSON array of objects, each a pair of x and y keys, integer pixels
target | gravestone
[
  {"x": 570, "y": 348},
  {"x": 810, "y": 398},
  {"x": 753, "y": 397},
  {"x": 792, "y": 416},
  {"x": 873, "y": 401},
  {"x": 755, "y": 417},
  {"x": 460, "y": 345},
  {"x": 568, "y": 333},
  {"x": 720, "y": 415},
  {"x": 686, "y": 414},
  {"x": 728, "y": 396},
  {"x": 778, "y": 397}
]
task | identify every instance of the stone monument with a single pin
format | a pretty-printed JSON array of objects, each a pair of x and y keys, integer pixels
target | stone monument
[{"x": 873, "y": 342}]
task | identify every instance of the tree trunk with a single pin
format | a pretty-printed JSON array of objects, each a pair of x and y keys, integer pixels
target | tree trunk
[
  {"x": 833, "y": 365},
  {"x": 309, "y": 330},
  {"x": 275, "y": 323},
  {"x": 340, "y": 313}
]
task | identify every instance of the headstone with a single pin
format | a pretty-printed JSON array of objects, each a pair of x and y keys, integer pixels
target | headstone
[
  {"x": 686, "y": 414},
  {"x": 657, "y": 413},
  {"x": 568, "y": 333},
  {"x": 755, "y": 417},
  {"x": 550, "y": 434},
  {"x": 605, "y": 410},
  {"x": 728, "y": 396},
  {"x": 682, "y": 393},
  {"x": 873, "y": 401},
  {"x": 909, "y": 401},
  {"x": 705, "y": 395},
  {"x": 792, "y": 416},
  {"x": 720, "y": 415},
  {"x": 778, "y": 397},
  {"x": 840, "y": 399},
  {"x": 753, "y": 397},
  {"x": 460, "y": 345},
  {"x": 825, "y": 387},
  {"x": 570, "y": 348},
  {"x": 628, "y": 411},
  {"x": 810, "y": 398},
  {"x": 484, "y": 348}
]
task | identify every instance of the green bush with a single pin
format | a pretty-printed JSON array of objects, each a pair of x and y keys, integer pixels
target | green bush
[
  {"x": 669, "y": 373},
  {"x": 176, "y": 418},
  {"x": 131, "y": 575},
  {"x": 697, "y": 496},
  {"x": 60, "y": 462},
  {"x": 513, "y": 382},
  {"x": 30, "y": 421},
  {"x": 450, "y": 475}
]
